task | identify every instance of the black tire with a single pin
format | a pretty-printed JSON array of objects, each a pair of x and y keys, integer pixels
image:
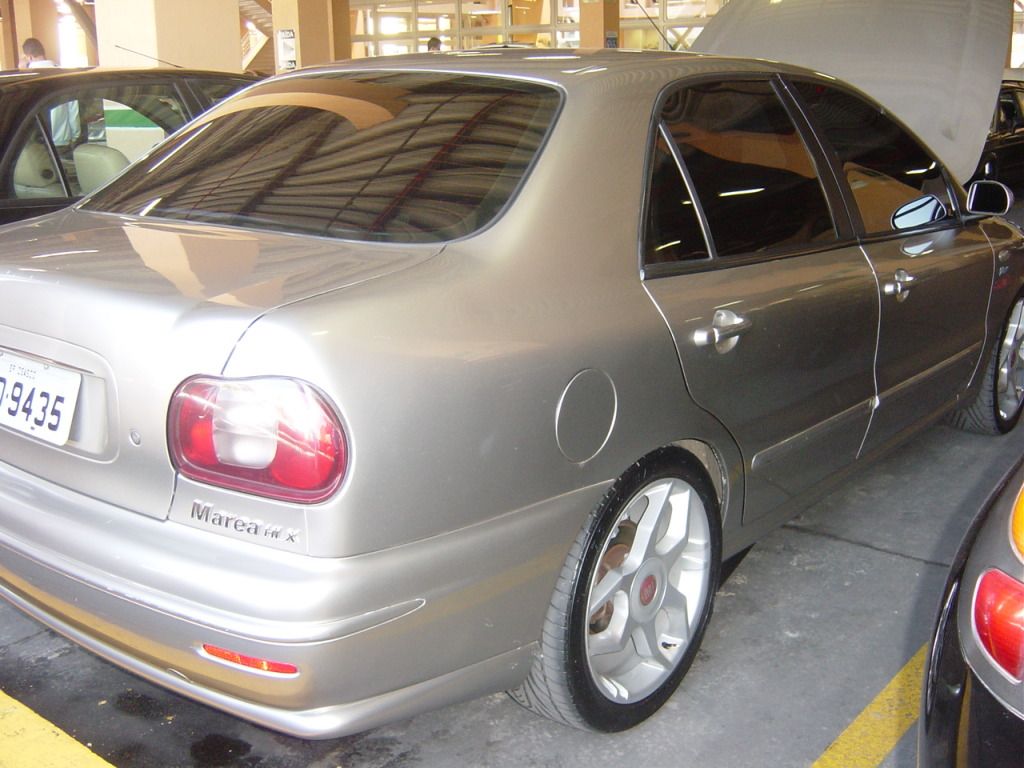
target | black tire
[
  {"x": 996, "y": 408},
  {"x": 657, "y": 591}
]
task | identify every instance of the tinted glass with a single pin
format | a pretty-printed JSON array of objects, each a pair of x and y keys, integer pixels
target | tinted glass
[
  {"x": 35, "y": 173},
  {"x": 399, "y": 157},
  {"x": 753, "y": 175},
  {"x": 889, "y": 172},
  {"x": 673, "y": 229},
  {"x": 217, "y": 90}
]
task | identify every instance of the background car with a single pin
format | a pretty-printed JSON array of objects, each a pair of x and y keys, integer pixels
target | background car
[
  {"x": 972, "y": 708},
  {"x": 64, "y": 133},
  {"x": 392, "y": 383},
  {"x": 1003, "y": 156}
]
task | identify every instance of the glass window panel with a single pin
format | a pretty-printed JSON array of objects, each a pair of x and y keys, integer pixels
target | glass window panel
[
  {"x": 673, "y": 228},
  {"x": 758, "y": 185},
  {"x": 529, "y": 13},
  {"x": 35, "y": 175},
  {"x": 404, "y": 157},
  {"x": 886, "y": 168},
  {"x": 481, "y": 14}
]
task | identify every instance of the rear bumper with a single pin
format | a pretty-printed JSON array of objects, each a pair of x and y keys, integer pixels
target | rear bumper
[
  {"x": 376, "y": 637},
  {"x": 961, "y": 722}
]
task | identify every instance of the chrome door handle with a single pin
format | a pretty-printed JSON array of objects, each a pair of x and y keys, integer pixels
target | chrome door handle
[
  {"x": 724, "y": 331},
  {"x": 900, "y": 285}
]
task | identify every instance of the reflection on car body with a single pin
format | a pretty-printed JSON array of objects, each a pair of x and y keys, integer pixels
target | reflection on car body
[{"x": 413, "y": 383}]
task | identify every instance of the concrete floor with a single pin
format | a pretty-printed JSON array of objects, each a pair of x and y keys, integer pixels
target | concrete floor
[{"x": 810, "y": 626}]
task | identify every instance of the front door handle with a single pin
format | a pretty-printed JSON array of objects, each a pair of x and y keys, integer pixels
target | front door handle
[
  {"x": 899, "y": 286},
  {"x": 724, "y": 331}
]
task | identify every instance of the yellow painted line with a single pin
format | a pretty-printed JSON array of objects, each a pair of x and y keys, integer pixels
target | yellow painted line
[
  {"x": 879, "y": 727},
  {"x": 30, "y": 741}
]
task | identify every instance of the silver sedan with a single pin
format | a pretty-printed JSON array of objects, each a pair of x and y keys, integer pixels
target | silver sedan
[{"x": 394, "y": 383}]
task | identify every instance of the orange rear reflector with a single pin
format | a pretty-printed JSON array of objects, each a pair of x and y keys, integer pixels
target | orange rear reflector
[{"x": 251, "y": 662}]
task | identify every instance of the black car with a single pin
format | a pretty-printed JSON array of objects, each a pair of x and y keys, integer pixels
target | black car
[
  {"x": 972, "y": 709},
  {"x": 1003, "y": 156},
  {"x": 64, "y": 133}
]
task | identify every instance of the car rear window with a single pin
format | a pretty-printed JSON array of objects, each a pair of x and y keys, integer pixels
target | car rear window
[{"x": 393, "y": 157}]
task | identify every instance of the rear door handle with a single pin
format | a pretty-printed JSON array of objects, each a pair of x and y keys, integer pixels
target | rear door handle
[
  {"x": 899, "y": 286},
  {"x": 724, "y": 331}
]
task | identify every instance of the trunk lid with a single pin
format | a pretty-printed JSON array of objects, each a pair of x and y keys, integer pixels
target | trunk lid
[{"x": 134, "y": 307}]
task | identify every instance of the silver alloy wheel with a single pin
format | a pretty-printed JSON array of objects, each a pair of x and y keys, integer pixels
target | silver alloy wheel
[
  {"x": 1009, "y": 382},
  {"x": 647, "y": 595}
]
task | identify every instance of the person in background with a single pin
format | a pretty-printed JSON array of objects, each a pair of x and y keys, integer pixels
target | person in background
[
  {"x": 65, "y": 126},
  {"x": 434, "y": 44},
  {"x": 34, "y": 55}
]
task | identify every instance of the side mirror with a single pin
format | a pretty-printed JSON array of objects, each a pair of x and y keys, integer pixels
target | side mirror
[
  {"x": 989, "y": 197},
  {"x": 918, "y": 212}
]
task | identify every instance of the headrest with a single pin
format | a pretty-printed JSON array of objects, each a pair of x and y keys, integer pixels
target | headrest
[
  {"x": 34, "y": 167},
  {"x": 96, "y": 164}
]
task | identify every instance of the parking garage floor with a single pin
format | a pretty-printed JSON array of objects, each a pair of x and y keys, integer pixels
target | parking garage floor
[{"x": 811, "y": 626}]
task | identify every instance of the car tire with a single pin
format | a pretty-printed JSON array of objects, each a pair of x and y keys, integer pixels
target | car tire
[
  {"x": 996, "y": 408},
  {"x": 633, "y": 599}
]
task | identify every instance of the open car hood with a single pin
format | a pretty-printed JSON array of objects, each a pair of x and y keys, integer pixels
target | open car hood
[{"x": 935, "y": 65}]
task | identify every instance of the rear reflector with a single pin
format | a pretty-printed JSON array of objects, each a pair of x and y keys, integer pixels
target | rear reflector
[
  {"x": 999, "y": 620},
  {"x": 1017, "y": 525},
  {"x": 250, "y": 662}
]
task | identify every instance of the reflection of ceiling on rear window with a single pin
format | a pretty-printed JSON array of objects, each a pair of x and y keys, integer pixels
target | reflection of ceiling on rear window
[{"x": 394, "y": 157}]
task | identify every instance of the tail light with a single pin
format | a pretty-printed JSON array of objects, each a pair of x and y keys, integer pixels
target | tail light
[
  {"x": 272, "y": 437},
  {"x": 999, "y": 620}
]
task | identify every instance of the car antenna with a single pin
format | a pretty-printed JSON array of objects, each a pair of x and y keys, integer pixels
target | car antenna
[
  {"x": 657, "y": 29},
  {"x": 154, "y": 58}
]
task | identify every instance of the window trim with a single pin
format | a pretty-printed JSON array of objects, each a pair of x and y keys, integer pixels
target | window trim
[
  {"x": 831, "y": 190},
  {"x": 956, "y": 220}
]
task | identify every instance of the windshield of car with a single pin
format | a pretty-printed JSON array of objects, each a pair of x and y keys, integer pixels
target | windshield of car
[{"x": 383, "y": 156}]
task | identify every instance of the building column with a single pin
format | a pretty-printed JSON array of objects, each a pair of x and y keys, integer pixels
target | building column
[
  {"x": 303, "y": 33},
  {"x": 341, "y": 23},
  {"x": 8, "y": 40},
  {"x": 599, "y": 24},
  {"x": 200, "y": 34}
]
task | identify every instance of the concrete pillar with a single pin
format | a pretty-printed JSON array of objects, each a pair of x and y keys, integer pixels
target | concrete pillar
[
  {"x": 202, "y": 34},
  {"x": 599, "y": 24},
  {"x": 303, "y": 33},
  {"x": 8, "y": 39},
  {"x": 341, "y": 29}
]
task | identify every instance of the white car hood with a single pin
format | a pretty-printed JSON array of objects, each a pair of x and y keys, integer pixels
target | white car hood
[{"x": 936, "y": 65}]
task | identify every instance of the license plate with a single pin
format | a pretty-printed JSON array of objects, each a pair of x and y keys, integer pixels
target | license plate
[{"x": 37, "y": 398}]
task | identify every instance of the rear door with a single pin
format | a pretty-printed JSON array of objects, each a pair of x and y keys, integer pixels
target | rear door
[
  {"x": 772, "y": 304},
  {"x": 934, "y": 272}
]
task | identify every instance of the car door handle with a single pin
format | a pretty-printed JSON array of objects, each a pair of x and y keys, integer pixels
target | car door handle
[
  {"x": 724, "y": 331},
  {"x": 899, "y": 286}
]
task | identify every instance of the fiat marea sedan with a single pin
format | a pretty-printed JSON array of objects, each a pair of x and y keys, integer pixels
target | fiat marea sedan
[{"x": 386, "y": 385}]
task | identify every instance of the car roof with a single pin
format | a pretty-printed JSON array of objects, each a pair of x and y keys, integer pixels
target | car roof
[{"x": 563, "y": 66}]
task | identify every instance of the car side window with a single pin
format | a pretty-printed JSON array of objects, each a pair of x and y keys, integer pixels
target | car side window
[
  {"x": 96, "y": 132},
  {"x": 215, "y": 90},
  {"x": 754, "y": 179},
  {"x": 673, "y": 227},
  {"x": 35, "y": 173},
  {"x": 896, "y": 183}
]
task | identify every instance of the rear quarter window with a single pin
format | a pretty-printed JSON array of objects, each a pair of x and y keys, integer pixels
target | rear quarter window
[{"x": 394, "y": 157}]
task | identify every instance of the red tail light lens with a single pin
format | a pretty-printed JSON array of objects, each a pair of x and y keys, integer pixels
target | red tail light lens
[
  {"x": 250, "y": 662},
  {"x": 271, "y": 437},
  {"x": 999, "y": 620}
]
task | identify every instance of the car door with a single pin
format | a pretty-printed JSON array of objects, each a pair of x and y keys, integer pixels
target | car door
[
  {"x": 934, "y": 272},
  {"x": 772, "y": 304}
]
